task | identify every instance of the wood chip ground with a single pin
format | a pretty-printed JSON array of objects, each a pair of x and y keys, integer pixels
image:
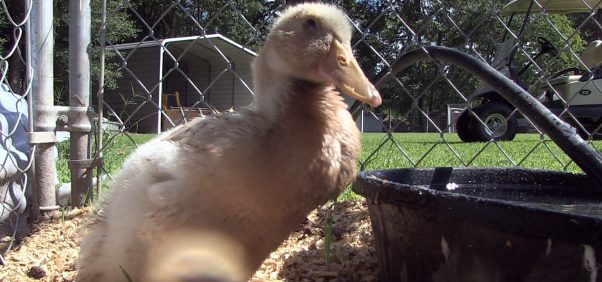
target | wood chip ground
[{"x": 50, "y": 252}]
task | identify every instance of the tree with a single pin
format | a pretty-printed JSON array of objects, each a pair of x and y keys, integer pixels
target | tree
[
  {"x": 591, "y": 24},
  {"x": 4, "y": 30},
  {"x": 386, "y": 29},
  {"x": 15, "y": 64},
  {"x": 246, "y": 22},
  {"x": 473, "y": 26},
  {"x": 120, "y": 28},
  {"x": 389, "y": 29}
]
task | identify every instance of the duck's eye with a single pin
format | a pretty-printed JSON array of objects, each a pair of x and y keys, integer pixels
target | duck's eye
[
  {"x": 342, "y": 60},
  {"x": 310, "y": 25}
]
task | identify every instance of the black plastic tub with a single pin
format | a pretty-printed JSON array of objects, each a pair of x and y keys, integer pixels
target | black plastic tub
[{"x": 484, "y": 224}]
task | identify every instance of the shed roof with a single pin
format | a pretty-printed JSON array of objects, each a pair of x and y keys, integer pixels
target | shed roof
[{"x": 215, "y": 48}]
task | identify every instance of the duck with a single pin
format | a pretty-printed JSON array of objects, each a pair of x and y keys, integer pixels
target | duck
[{"x": 209, "y": 200}]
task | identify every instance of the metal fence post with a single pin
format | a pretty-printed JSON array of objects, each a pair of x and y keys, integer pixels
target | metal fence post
[
  {"x": 42, "y": 52},
  {"x": 79, "y": 96},
  {"x": 100, "y": 97}
]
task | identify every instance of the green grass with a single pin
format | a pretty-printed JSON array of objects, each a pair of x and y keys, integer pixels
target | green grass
[
  {"x": 429, "y": 150},
  {"x": 119, "y": 147},
  {"x": 116, "y": 149},
  {"x": 403, "y": 150},
  {"x": 407, "y": 150}
]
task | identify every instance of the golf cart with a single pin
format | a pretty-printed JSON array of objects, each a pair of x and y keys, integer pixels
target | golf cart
[{"x": 576, "y": 90}]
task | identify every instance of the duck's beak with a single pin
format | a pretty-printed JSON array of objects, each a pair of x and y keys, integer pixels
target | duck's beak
[{"x": 342, "y": 69}]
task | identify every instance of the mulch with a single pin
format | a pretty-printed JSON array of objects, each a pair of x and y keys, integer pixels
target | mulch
[{"x": 49, "y": 253}]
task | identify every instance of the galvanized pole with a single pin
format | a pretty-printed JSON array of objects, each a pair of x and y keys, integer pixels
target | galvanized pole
[
  {"x": 79, "y": 96},
  {"x": 100, "y": 97},
  {"x": 34, "y": 210},
  {"x": 42, "y": 53}
]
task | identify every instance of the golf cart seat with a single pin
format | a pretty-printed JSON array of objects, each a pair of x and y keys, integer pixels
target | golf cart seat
[
  {"x": 592, "y": 54},
  {"x": 591, "y": 58}
]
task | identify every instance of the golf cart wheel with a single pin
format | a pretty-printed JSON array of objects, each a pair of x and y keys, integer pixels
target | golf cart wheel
[
  {"x": 463, "y": 129},
  {"x": 499, "y": 126}
]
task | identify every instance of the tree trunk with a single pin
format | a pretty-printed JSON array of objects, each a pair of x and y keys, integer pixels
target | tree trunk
[{"x": 173, "y": 24}]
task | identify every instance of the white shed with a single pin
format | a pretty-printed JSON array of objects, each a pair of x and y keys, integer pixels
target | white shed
[{"x": 208, "y": 73}]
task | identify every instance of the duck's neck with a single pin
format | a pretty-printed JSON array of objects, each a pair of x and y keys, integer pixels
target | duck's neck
[
  {"x": 280, "y": 97},
  {"x": 268, "y": 82},
  {"x": 310, "y": 125}
]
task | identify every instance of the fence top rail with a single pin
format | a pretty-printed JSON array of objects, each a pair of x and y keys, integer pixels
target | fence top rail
[{"x": 162, "y": 42}]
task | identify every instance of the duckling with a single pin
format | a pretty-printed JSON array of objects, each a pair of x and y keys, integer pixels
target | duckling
[{"x": 210, "y": 199}]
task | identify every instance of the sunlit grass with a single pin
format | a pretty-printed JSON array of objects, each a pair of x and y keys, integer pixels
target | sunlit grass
[
  {"x": 406, "y": 150},
  {"x": 403, "y": 150},
  {"x": 117, "y": 147}
]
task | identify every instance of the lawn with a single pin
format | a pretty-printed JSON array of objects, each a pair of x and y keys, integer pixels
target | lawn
[
  {"x": 430, "y": 150},
  {"x": 117, "y": 148},
  {"x": 400, "y": 150}
]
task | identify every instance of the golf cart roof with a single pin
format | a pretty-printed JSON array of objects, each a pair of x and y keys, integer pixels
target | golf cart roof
[{"x": 552, "y": 6}]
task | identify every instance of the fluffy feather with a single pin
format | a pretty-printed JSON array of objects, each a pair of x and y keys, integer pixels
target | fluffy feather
[{"x": 209, "y": 200}]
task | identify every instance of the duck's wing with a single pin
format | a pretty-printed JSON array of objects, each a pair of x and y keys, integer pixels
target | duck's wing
[{"x": 219, "y": 133}]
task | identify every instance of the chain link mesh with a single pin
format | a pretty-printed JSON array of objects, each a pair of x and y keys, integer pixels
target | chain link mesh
[
  {"x": 170, "y": 61},
  {"x": 417, "y": 99},
  {"x": 15, "y": 152}
]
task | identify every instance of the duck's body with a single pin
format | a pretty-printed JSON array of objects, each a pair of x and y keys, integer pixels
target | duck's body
[{"x": 211, "y": 199}]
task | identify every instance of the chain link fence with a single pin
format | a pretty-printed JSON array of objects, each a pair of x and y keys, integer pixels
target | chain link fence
[
  {"x": 157, "y": 64},
  {"x": 192, "y": 60},
  {"x": 15, "y": 151}
]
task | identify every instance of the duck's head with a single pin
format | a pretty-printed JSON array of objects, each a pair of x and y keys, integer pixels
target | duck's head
[{"x": 311, "y": 41}]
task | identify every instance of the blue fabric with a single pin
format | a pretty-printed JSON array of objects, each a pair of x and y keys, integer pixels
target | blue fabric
[{"x": 14, "y": 151}]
